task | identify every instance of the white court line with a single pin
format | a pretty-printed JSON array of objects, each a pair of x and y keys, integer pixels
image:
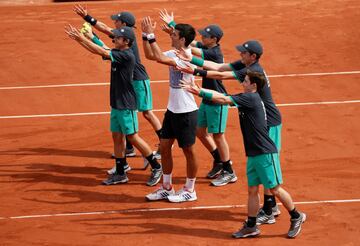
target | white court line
[
  {"x": 162, "y": 110},
  {"x": 136, "y": 210},
  {"x": 165, "y": 81}
]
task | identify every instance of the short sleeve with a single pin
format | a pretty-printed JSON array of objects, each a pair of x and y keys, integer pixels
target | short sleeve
[
  {"x": 240, "y": 74},
  {"x": 237, "y": 65},
  {"x": 209, "y": 54},
  {"x": 119, "y": 56},
  {"x": 242, "y": 100}
]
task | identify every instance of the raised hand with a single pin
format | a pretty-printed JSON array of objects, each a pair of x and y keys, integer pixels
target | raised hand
[
  {"x": 167, "y": 29},
  {"x": 183, "y": 55},
  {"x": 80, "y": 10},
  {"x": 73, "y": 33},
  {"x": 147, "y": 25},
  {"x": 166, "y": 17}
]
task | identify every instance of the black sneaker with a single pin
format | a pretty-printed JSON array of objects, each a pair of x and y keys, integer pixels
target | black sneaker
[
  {"x": 263, "y": 218},
  {"x": 295, "y": 225},
  {"x": 155, "y": 176},
  {"x": 247, "y": 232},
  {"x": 215, "y": 171},
  {"x": 116, "y": 179}
]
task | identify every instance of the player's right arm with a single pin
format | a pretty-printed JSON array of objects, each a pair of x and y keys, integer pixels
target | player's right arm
[
  {"x": 152, "y": 48},
  {"x": 100, "y": 26}
]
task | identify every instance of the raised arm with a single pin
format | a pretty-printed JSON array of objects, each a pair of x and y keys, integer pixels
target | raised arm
[
  {"x": 146, "y": 46},
  {"x": 157, "y": 54},
  {"x": 207, "y": 94},
  {"x": 74, "y": 34},
  {"x": 102, "y": 27}
]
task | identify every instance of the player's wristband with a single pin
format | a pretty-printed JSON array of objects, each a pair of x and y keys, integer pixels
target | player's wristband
[
  {"x": 206, "y": 95},
  {"x": 197, "y": 61},
  {"x": 97, "y": 41},
  {"x": 90, "y": 19},
  {"x": 199, "y": 72},
  {"x": 144, "y": 36},
  {"x": 171, "y": 24},
  {"x": 151, "y": 40},
  {"x": 150, "y": 36}
]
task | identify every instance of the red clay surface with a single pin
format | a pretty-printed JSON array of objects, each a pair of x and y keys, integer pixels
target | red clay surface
[{"x": 55, "y": 164}]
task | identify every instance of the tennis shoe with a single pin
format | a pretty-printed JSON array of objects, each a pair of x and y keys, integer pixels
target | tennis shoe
[
  {"x": 295, "y": 225},
  {"x": 183, "y": 195},
  {"x": 247, "y": 231},
  {"x": 216, "y": 169},
  {"x": 155, "y": 176},
  {"x": 160, "y": 194},
  {"x": 263, "y": 218},
  {"x": 224, "y": 178},
  {"x": 116, "y": 179}
]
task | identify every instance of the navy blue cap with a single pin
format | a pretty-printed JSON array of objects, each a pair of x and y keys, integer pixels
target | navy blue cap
[
  {"x": 252, "y": 46},
  {"x": 125, "y": 17},
  {"x": 211, "y": 30},
  {"x": 125, "y": 31}
]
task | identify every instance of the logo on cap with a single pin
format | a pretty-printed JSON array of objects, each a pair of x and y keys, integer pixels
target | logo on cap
[
  {"x": 246, "y": 45},
  {"x": 208, "y": 29}
]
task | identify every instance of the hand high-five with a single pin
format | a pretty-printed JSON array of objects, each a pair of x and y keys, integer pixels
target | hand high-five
[{"x": 80, "y": 10}]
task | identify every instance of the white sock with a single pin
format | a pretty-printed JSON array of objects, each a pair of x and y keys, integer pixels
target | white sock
[
  {"x": 190, "y": 184},
  {"x": 167, "y": 181}
]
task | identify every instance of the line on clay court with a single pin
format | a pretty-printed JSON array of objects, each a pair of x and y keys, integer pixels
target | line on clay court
[
  {"x": 137, "y": 210},
  {"x": 165, "y": 81},
  {"x": 162, "y": 110}
]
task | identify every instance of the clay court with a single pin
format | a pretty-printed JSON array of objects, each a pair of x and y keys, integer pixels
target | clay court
[{"x": 56, "y": 144}]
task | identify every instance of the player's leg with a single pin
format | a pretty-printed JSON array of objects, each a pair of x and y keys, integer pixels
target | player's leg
[
  {"x": 227, "y": 174},
  {"x": 185, "y": 126},
  {"x": 119, "y": 175},
  {"x": 297, "y": 218},
  {"x": 207, "y": 140},
  {"x": 145, "y": 105},
  {"x": 269, "y": 198},
  {"x": 250, "y": 228},
  {"x": 130, "y": 127},
  {"x": 166, "y": 142},
  {"x": 156, "y": 125}
]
